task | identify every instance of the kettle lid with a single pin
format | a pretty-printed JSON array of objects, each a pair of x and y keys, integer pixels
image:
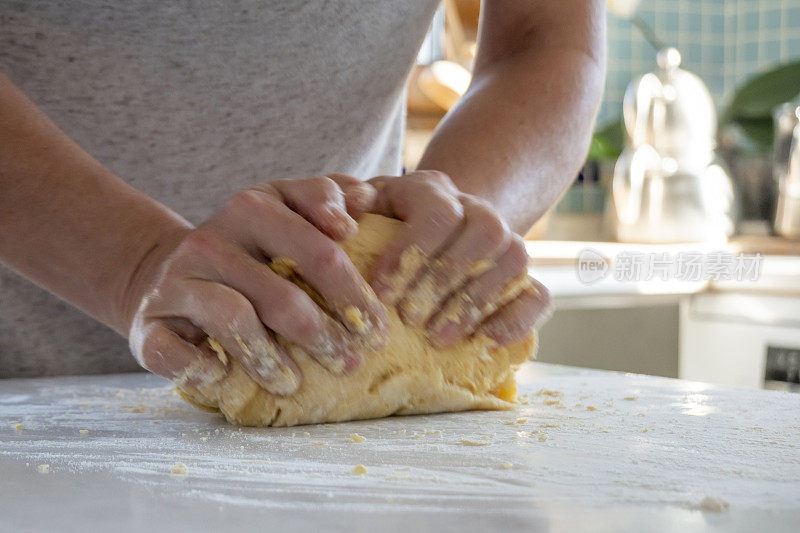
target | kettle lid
[
  {"x": 668, "y": 59},
  {"x": 679, "y": 112}
]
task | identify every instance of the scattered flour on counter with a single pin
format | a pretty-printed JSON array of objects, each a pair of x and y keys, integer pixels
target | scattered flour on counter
[
  {"x": 178, "y": 468},
  {"x": 468, "y": 442},
  {"x": 551, "y": 393},
  {"x": 355, "y": 437},
  {"x": 600, "y": 459},
  {"x": 711, "y": 504},
  {"x": 43, "y": 469}
]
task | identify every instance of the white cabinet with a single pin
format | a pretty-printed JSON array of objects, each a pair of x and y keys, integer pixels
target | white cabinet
[{"x": 725, "y": 338}]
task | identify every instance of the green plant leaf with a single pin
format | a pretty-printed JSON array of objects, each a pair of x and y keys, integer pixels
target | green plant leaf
[
  {"x": 607, "y": 142},
  {"x": 756, "y": 98},
  {"x": 759, "y": 130}
]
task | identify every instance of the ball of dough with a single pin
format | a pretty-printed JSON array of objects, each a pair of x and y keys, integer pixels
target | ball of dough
[{"x": 409, "y": 376}]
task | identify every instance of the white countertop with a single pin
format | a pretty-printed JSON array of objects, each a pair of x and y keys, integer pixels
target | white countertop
[
  {"x": 555, "y": 264},
  {"x": 656, "y": 454}
]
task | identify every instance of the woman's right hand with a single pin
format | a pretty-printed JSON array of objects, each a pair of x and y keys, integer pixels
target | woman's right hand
[{"x": 215, "y": 289}]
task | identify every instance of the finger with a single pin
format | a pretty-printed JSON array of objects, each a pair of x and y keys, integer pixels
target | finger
[
  {"x": 320, "y": 201},
  {"x": 483, "y": 238},
  {"x": 229, "y": 318},
  {"x": 162, "y": 351},
  {"x": 319, "y": 261},
  {"x": 520, "y": 318},
  {"x": 280, "y": 304},
  {"x": 185, "y": 330},
  {"x": 482, "y": 296},
  {"x": 432, "y": 218},
  {"x": 359, "y": 196},
  {"x": 433, "y": 178}
]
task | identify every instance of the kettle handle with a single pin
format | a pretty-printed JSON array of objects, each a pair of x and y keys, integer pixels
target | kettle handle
[
  {"x": 649, "y": 116},
  {"x": 628, "y": 196},
  {"x": 793, "y": 176}
]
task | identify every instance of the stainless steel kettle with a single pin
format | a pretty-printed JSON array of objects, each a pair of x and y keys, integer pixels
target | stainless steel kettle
[
  {"x": 787, "y": 214},
  {"x": 669, "y": 185}
]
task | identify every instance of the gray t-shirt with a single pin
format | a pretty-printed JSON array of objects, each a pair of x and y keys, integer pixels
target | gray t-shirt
[{"x": 190, "y": 100}]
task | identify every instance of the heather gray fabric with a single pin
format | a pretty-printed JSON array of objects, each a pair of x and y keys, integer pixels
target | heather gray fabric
[{"x": 191, "y": 100}]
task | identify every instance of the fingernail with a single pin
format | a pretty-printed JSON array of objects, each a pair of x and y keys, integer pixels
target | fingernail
[
  {"x": 338, "y": 220},
  {"x": 263, "y": 359},
  {"x": 289, "y": 381},
  {"x": 345, "y": 225},
  {"x": 198, "y": 374},
  {"x": 372, "y": 330},
  {"x": 333, "y": 353},
  {"x": 355, "y": 320},
  {"x": 362, "y": 194}
]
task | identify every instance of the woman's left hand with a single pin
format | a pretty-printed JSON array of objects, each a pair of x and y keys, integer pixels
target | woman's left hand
[{"x": 456, "y": 269}]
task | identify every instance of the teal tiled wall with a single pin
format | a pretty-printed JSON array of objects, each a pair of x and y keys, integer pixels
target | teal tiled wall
[{"x": 723, "y": 41}]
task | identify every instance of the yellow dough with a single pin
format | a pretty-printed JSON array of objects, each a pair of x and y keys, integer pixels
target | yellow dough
[{"x": 407, "y": 377}]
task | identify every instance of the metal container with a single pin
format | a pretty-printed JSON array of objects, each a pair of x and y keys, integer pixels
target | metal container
[
  {"x": 787, "y": 213},
  {"x": 669, "y": 185}
]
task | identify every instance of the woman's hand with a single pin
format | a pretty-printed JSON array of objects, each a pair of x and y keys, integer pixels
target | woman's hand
[
  {"x": 456, "y": 269},
  {"x": 216, "y": 289}
]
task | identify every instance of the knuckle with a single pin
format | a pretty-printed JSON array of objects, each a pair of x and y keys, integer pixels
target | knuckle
[
  {"x": 325, "y": 185},
  {"x": 343, "y": 179},
  {"x": 248, "y": 200},
  {"x": 300, "y": 317},
  {"x": 323, "y": 195},
  {"x": 329, "y": 257},
  {"x": 302, "y": 324},
  {"x": 200, "y": 243},
  {"x": 517, "y": 254},
  {"x": 439, "y": 177},
  {"x": 236, "y": 308},
  {"x": 493, "y": 229},
  {"x": 293, "y": 313},
  {"x": 444, "y": 213}
]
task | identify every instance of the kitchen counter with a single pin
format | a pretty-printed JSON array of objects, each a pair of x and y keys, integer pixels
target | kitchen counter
[
  {"x": 555, "y": 263},
  {"x": 585, "y": 450},
  {"x": 711, "y": 330}
]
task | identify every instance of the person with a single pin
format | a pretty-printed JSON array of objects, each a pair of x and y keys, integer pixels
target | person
[{"x": 224, "y": 135}]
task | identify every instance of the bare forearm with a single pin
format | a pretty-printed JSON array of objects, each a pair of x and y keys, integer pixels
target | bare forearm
[
  {"x": 520, "y": 134},
  {"x": 66, "y": 222}
]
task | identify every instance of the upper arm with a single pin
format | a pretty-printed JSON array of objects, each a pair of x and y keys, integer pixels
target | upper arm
[{"x": 509, "y": 27}]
